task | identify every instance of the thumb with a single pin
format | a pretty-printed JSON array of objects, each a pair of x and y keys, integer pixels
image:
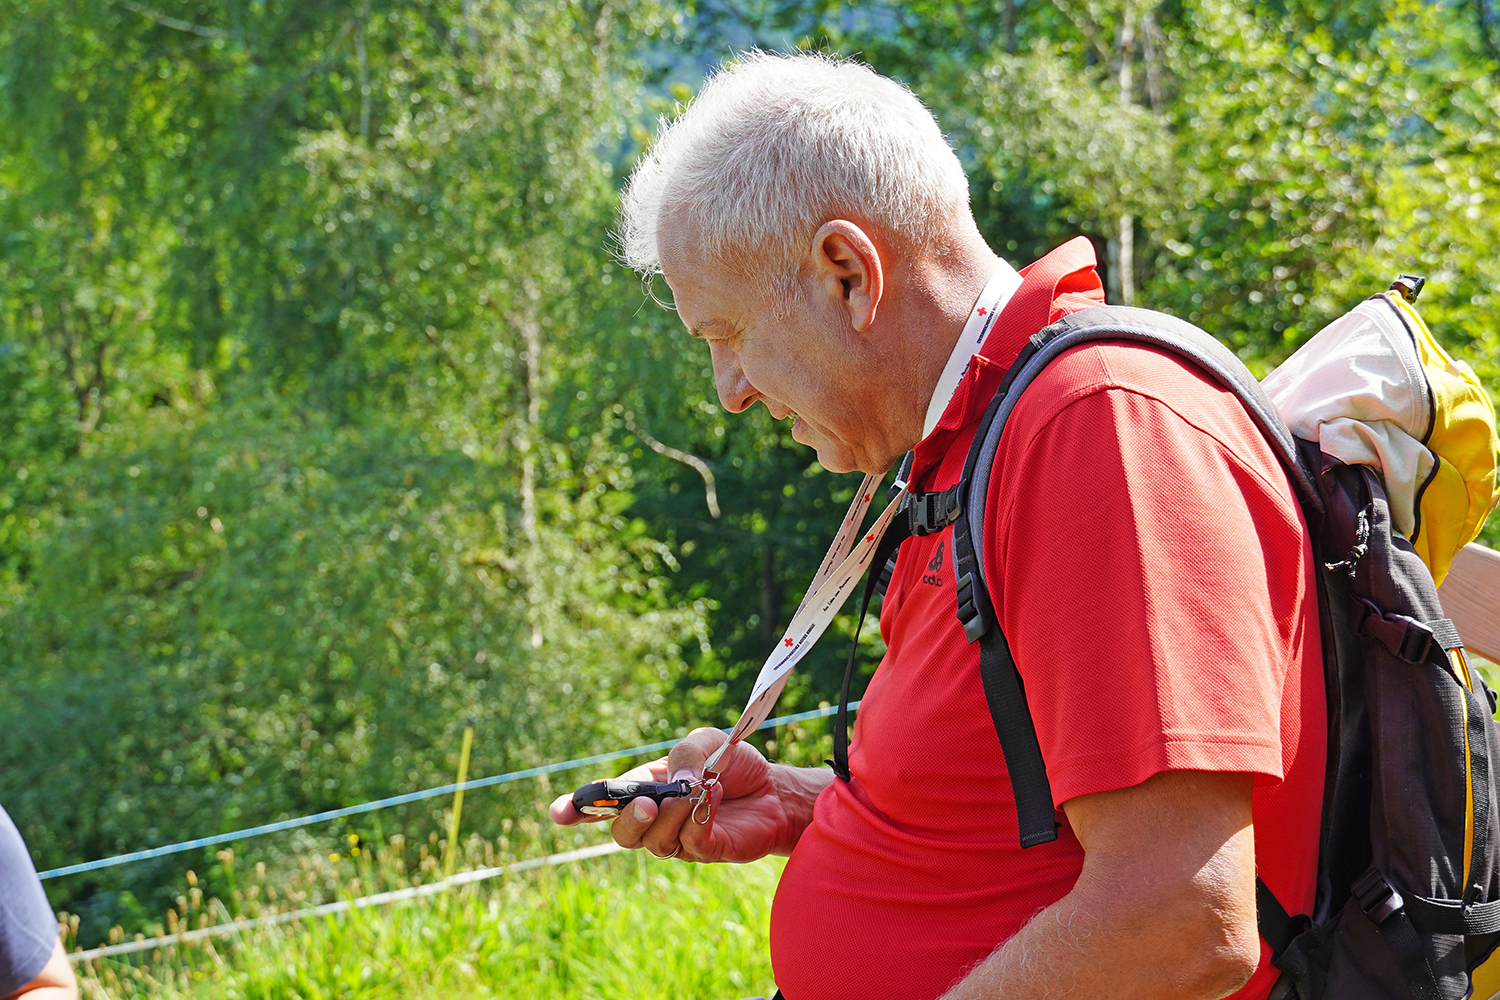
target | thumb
[{"x": 686, "y": 759}]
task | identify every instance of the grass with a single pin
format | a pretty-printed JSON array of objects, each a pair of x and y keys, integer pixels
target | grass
[{"x": 620, "y": 926}]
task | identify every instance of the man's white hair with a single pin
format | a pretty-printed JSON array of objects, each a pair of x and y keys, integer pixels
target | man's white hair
[{"x": 775, "y": 145}]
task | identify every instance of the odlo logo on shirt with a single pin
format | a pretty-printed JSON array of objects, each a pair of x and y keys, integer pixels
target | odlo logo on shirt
[{"x": 934, "y": 567}]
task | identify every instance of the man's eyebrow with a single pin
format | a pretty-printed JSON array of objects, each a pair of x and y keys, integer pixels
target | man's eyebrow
[{"x": 698, "y": 329}]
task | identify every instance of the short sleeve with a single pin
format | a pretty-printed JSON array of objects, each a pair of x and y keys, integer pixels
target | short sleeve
[
  {"x": 1153, "y": 569},
  {"x": 28, "y": 927}
]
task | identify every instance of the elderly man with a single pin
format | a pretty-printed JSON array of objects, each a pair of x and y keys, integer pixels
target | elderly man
[{"x": 1149, "y": 563}]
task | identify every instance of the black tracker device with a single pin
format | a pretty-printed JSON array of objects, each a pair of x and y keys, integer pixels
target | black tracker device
[{"x": 609, "y": 798}]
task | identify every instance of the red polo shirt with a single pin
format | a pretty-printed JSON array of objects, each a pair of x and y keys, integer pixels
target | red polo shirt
[{"x": 1153, "y": 574}]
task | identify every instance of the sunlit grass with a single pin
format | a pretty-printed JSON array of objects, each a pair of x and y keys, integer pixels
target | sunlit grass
[{"x": 620, "y": 926}]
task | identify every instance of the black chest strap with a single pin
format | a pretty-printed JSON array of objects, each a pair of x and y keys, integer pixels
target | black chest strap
[{"x": 928, "y": 513}]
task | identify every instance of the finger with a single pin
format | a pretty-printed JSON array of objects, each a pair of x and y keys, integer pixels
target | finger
[
  {"x": 629, "y": 828},
  {"x": 563, "y": 812},
  {"x": 698, "y": 838},
  {"x": 631, "y": 825},
  {"x": 686, "y": 759},
  {"x": 655, "y": 770},
  {"x": 652, "y": 825},
  {"x": 664, "y": 837}
]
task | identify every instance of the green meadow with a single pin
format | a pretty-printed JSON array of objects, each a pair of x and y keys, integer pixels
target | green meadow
[{"x": 618, "y": 926}]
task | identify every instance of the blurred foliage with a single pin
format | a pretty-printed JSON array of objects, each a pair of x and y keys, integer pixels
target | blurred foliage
[{"x": 329, "y": 422}]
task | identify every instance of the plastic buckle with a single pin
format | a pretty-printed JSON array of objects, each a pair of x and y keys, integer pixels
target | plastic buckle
[
  {"x": 1401, "y": 636},
  {"x": 1377, "y": 897},
  {"x": 1489, "y": 694},
  {"x": 929, "y": 513},
  {"x": 1408, "y": 286},
  {"x": 920, "y": 513},
  {"x": 969, "y": 614},
  {"x": 1415, "y": 644}
]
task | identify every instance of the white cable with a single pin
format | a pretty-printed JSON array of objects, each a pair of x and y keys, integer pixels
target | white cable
[{"x": 344, "y": 905}]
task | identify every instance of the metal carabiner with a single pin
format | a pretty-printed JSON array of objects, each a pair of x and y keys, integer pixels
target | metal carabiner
[{"x": 705, "y": 798}]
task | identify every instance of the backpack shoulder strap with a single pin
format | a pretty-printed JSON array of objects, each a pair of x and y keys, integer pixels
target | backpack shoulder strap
[{"x": 1003, "y": 686}]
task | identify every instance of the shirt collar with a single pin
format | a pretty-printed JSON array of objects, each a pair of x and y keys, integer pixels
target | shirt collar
[
  {"x": 1061, "y": 282},
  {"x": 997, "y": 292}
]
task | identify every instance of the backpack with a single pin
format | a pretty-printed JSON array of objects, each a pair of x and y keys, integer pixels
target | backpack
[{"x": 1408, "y": 890}]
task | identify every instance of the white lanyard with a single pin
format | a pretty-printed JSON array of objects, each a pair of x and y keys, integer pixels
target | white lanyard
[
  {"x": 843, "y": 567},
  {"x": 987, "y": 308}
]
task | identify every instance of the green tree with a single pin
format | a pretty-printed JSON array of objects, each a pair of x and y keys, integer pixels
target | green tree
[{"x": 301, "y": 315}]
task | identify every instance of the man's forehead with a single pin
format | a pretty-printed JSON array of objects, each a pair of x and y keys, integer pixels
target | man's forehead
[
  {"x": 678, "y": 235},
  {"x": 683, "y": 246},
  {"x": 706, "y": 292},
  {"x": 702, "y": 303}
]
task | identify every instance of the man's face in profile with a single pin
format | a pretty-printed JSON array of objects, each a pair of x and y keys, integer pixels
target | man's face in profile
[{"x": 792, "y": 359}]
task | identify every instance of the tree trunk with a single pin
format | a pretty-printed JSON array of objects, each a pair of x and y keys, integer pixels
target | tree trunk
[
  {"x": 364, "y": 79},
  {"x": 531, "y": 335},
  {"x": 1123, "y": 245},
  {"x": 1125, "y": 260},
  {"x": 1151, "y": 50}
]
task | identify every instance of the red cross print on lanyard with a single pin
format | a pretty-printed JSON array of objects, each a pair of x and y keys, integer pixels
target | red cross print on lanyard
[{"x": 843, "y": 567}]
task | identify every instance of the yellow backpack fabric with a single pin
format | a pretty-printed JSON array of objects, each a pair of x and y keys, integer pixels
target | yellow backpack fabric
[
  {"x": 1375, "y": 388},
  {"x": 1454, "y": 502}
]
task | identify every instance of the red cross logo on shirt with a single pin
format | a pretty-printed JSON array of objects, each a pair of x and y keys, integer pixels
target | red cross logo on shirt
[
  {"x": 870, "y": 537},
  {"x": 983, "y": 311}
]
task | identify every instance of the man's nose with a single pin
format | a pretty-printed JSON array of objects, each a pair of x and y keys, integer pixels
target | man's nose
[{"x": 735, "y": 391}]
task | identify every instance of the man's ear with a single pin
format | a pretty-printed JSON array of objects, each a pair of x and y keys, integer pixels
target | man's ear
[{"x": 847, "y": 265}]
